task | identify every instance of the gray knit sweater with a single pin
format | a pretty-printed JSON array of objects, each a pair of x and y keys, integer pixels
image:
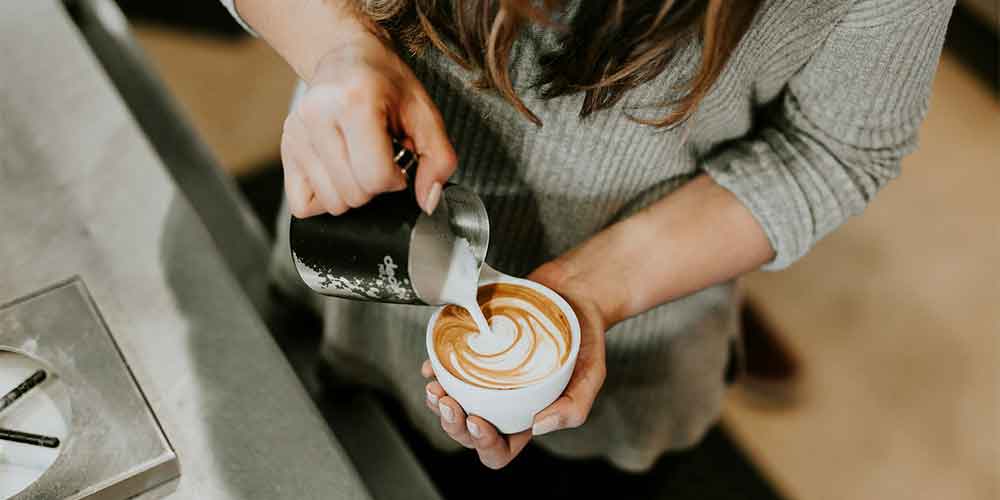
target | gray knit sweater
[{"x": 810, "y": 118}]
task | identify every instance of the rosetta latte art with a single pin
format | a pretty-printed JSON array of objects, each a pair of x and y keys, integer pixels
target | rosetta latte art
[{"x": 531, "y": 338}]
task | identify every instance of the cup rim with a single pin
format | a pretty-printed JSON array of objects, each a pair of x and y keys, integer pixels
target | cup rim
[{"x": 575, "y": 336}]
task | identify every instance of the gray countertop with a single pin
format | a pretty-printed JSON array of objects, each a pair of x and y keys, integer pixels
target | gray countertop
[{"x": 82, "y": 193}]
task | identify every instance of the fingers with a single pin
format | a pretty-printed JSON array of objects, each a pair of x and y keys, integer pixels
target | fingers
[
  {"x": 369, "y": 151},
  {"x": 338, "y": 135},
  {"x": 302, "y": 201},
  {"x": 434, "y": 394},
  {"x": 494, "y": 449},
  {"x": 328, "y": 143},
  {"x": 573, "y": 407},
  {"x": 426, "y": 370},
  {"x": 422, "y": 122},
  {"x": 453, "y": 421},
  {"x": 347, "y": 134},
  {"x": 297, "y": 146},
  {"x": 450, "y": 413}
]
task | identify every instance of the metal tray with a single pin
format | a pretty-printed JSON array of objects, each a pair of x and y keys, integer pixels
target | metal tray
[{"x": 115, "y": 448}]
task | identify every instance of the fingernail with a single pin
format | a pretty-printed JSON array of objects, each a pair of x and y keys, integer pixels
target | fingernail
[
  {"x": 473, "y": 428},
  {"x": 433, "y": 196},
  {"x": 545, "y": 425},
  {"x": 432, "y": 398},
  {"x": 446, "y": 413}
]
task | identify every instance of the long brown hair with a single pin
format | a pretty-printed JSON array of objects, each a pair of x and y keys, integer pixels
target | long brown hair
[{"x": 607, "y": 48}]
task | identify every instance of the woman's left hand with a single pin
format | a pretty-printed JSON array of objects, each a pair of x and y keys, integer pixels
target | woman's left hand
[{"x": 570, "y": 410}]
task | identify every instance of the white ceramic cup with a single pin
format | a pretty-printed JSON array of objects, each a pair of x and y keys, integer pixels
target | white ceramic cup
[{"x": 510, "y": 410}]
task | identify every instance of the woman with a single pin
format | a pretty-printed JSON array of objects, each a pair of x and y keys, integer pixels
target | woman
[{"x": 638, "y": 155}]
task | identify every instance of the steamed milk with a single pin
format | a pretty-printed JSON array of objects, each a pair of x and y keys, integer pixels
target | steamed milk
[{"x": 462, "y": 282}]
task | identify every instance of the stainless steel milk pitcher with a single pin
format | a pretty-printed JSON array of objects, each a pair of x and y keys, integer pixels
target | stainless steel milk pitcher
[{"x": 389, "y": 250}]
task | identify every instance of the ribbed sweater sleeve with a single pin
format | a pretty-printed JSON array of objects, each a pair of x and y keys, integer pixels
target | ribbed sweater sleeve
[{"x": 841, "y": 125}]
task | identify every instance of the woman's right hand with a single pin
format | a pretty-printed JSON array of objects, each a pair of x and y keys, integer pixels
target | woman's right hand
[{"x": 336, "y": 147}]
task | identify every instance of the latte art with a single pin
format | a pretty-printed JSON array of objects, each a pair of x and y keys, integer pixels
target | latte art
[{"x": 530, "y": 338}]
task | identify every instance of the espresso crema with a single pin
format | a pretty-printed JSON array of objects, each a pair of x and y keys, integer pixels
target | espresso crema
[{"x": 530, "y": 339}]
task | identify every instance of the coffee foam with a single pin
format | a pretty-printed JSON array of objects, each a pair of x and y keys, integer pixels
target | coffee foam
[{"x": 531, "y": 338}]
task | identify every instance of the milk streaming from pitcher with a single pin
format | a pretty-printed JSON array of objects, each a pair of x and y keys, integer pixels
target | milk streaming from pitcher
[{"x": 462, "y": 282}]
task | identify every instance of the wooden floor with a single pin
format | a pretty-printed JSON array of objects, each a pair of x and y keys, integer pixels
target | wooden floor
[{"x": 897, "y": 315}]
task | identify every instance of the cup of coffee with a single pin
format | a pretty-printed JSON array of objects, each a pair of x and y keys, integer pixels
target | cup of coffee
[{"x": 508, "y": 375}]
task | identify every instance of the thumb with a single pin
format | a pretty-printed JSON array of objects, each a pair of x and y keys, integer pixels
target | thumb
[
  {"x": 573, "y": 407},
  {"x": 564, "y": 413}
]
